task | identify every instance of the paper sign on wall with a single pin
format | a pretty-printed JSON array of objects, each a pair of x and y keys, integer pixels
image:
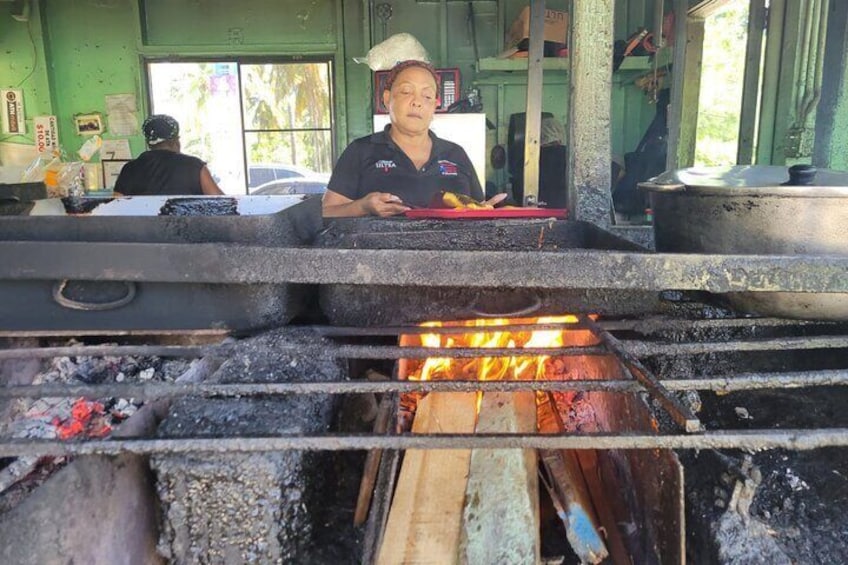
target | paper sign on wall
[
  {"x": 46, "y": 133},
  {"x": 13, "y": 111}
]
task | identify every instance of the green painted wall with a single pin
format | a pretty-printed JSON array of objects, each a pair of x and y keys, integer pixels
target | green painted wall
[
  {"x": 87, "y": 49},
  {"x": 23, "y": 66},
  {"x": 92, "y": 53}
]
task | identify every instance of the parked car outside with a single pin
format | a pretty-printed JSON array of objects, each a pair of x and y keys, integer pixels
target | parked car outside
[
  {"x": 296, "y": 185},
  {"x": 261, "y": 173}
]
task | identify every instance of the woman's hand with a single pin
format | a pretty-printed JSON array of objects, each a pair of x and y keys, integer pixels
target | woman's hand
[{"x": 383, "y": 204}]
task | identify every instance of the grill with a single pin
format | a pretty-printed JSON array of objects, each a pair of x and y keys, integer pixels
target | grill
[
  {"x": 827, "y": 336},
  {"x": 675, "y": 345}
]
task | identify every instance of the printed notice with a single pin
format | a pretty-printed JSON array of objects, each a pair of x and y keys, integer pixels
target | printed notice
[
  {"x": 116, "y": 149},
  {"x": 13, "y": 111},
  {"x": 123, "y": 114},
  {"x": 46, "y": 133}
]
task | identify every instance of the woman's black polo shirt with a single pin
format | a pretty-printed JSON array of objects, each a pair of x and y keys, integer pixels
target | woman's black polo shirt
[{"x": 376, "y": 164}]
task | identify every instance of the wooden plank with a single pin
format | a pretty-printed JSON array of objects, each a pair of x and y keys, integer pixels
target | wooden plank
[
  {"x": 425, "y": 518},
  {"x": 533, "y": 115},
  {"x": 690, "y": 99},
  {"x": 832, "y": 113},
  {"x": 590, "y": 112},
  {"x": 706, "y": 8},
  {"x": 678, "y": 77},
  {"x": 572, "y": 498},
  {"x": 784, "y": 115},
  {"x": 771, "y": 71},
  {"x": 501, "y": 515},
  {"x": 372, "y": 463},
  {"x": 751, "y": 84}
]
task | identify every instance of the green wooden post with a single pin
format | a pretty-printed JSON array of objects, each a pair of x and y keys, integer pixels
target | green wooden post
[
  {"x": 831, "y": 144},
  {"x": 750, "y": 89},
  {"x": 685, "y": 86}
]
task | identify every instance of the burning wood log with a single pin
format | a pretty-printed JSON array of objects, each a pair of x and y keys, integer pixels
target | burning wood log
[
  {"x": 501, "y": 514},
  {"x": 569, "y": 491},
  {"x": 424, "y": 521},
  {"x": 372, "y": 463}
]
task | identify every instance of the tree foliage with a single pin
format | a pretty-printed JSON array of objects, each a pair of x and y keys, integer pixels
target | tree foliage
[{"x": 721, "y": 85}]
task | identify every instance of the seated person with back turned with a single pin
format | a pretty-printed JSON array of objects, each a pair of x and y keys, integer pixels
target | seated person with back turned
[
  {"x": 162, "y": 169},
  {"x": 406, "y": 163}
]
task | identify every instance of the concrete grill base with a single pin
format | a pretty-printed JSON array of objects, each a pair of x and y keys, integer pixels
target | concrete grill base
[{"x": 235, "y": 508}]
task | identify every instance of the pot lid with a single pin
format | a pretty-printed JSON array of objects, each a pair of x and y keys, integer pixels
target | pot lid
[{"x": 753, "y": 179}]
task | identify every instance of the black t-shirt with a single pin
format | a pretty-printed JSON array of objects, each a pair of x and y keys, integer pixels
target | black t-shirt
[
  {"x": 376, "y": 164},
  {"x": 160, "y": 171}
]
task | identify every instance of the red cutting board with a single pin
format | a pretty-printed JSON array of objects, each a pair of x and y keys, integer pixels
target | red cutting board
[{"x": 465, "y": 214}]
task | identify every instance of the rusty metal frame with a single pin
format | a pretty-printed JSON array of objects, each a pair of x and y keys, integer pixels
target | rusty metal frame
[
  {"x": 718, "y": 383},
  {"x": 627, "y": 351},
  {"x": 794, "y": 439},
  {"x": 370, "y": 351},
  {"x": 681, "y": 414}
]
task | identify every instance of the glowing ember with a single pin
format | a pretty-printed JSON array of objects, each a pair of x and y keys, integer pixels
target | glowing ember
[{"x": 87, "y": 418}]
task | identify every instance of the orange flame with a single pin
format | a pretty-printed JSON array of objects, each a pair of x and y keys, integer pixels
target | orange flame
[{"x": 487, "y": 336}]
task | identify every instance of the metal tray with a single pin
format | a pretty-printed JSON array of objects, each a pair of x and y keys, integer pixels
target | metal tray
[
  {"x": 386, "y": 305},
  {"x": 39, "y": 305},
  {"x": 467, "y": 214}
]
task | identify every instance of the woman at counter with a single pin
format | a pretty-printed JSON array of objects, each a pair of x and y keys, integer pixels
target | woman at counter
[{"x": 406, "y": 164}]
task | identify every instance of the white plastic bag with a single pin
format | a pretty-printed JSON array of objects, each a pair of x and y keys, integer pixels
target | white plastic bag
[
  {"x": 396, "y": 48},
  {"x": 37, "y": 169}
]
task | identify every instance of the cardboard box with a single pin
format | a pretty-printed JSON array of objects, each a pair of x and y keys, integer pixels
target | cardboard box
[{"x": 556, "y": 27}]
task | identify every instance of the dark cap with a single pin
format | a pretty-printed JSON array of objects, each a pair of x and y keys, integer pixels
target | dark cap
[
  {"x": 160, "y": 127},
  {"x": 403, "y": 65}
]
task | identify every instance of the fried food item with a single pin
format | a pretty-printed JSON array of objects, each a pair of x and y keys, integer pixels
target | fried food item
[{"x": 461, "y": 201}]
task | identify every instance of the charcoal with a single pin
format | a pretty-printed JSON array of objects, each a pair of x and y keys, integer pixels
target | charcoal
[{"x": 199, "y": 207}]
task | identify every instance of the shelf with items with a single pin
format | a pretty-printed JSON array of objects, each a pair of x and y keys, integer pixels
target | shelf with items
[
  {"x": 490, "y": 64},
  {"x": 631, "y": 64}
]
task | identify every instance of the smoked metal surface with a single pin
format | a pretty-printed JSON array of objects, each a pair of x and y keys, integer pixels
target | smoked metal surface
[
  {"x": 120, "y": 301},
  {"x": 235, "y": 263}
]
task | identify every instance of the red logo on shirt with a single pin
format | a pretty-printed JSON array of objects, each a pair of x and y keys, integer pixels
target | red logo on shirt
[
  {"x": 448, "y": 168},
  {"x": 385, "y": 165}
]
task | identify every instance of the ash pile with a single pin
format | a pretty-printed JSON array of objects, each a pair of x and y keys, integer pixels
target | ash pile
[
  {"x": 55, "y": 507},
  {"x": 770, "y": 506},
  {"x": 249, "y": 507},
  {"x": 233, "y": 507}
]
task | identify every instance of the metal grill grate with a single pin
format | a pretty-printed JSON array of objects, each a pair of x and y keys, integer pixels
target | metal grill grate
[{"x": 616, "y": 336}]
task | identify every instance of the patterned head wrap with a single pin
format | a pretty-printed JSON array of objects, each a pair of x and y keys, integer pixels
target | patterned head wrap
[
  {"x": 403, "y": 65},
  {"x": 159, "y": 128}
]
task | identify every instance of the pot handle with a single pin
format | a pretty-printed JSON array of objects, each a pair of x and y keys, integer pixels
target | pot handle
[
  {"x": 534, "y": 304},
  {"x": 70, "y": 303},
  {"x": 665, "y": 187}
]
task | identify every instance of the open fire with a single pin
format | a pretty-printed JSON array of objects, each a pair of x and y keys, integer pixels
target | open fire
[
  {"x": 566, "y": 455},
  {"x": 485, "y": 505}
]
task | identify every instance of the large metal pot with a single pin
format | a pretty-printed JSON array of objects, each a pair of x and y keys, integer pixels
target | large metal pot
[{"x": 757, "y": 210}]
